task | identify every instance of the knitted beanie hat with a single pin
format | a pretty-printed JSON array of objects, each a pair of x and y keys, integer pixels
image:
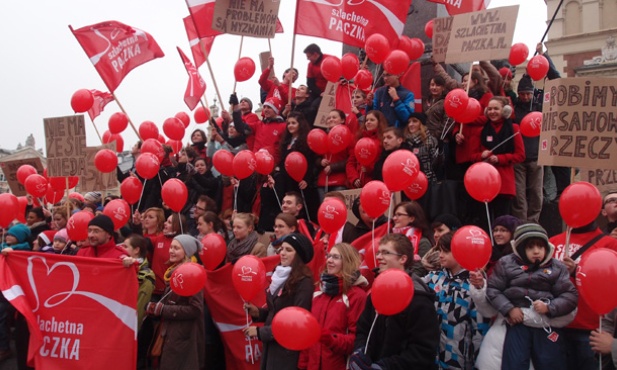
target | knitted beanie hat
[
  {"x": 302, "y": 245},
  {"x": 189, "y": 243},
  {"x": 104, "y": 222},
  {"x": 525, "y": 84},
  {"x": 528, "y": 231},
  {"x": 507, "y": 221}
]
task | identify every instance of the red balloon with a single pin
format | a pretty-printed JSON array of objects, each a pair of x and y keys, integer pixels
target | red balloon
[
  {"x": 175, "y": 145},
  {"x": 131, "y": 189},
  {"x": 24, "y": 171},
  {"x": 201, "y": 115},
  {"x": 531, "y": 124},
  {"x": 148, "y": 130},
  {"x": 456, "y": 102},
  {"x": 375, "y": 198},
  {"x": 264, "y": 162},
  {"x": 118, "y": 122},
  {"x": 471, "y": 113},
  {"x": 22, "y": 203},
  {"x": 482, "y": 181},
  {"x": 400, "y": 169},
  {"x": 155, "y": 147},
  {"x": 52, "y": 195},
  {"x": 82, "y": 100},
  {"x": 595, "y": 279},
  {"x": 377, "y": 48},
  {"x": 339, "y": 138},
  {"x": 318, "y": 141},
  {"x": 579, "y": 204},
  {"x": 105, "y": 160},
  {"x": 366, "y": 151},
  {"x": 518, "y": 53},
  {"x": 161, "y": 139},
  {"x": 331, "y": 68},
  {"x": 296, "y": 166},
  {"x": 418, "y": 187},
  {"x": 396, "y": 63},
  {"x": 349, "y": 65},
  {"x": 537, "y": 68},
  {"x": 392, "y": 292},
  {"x": 363, "y": 79},
  {"x": 295, "y": 328},
  {"x": 244, "y": 69},
  {"x": 332, "y": 215},
  {"x": 244, "y": 164},
  {"x": 173, "y": 128},
  {"x": 184, "y": 118},
  {"x": 214, "y": 250},
  {"x": 223, "y": 162},
  {"x": 188, "y": 279},
  {"x": 147, "y": 165},
  {"x": 108, "y": 137},
  {"x": 119, "y": 211},
  {"x": 249, "y": 277},
  {"x": 36, "y": 185},
  {"x": 9, "y": 206},
  {"x": 77, "y": 225},
  {"x": 59, "y": 183},
  {"x": 428, "y": 29},
  {"x": 174, "y": 194},
  {"x": 416, "y": 48},
  {"x": 471, "y": 247}
]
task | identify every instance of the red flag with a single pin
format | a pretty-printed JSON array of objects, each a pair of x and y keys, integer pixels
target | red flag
[
  {"x": 196, "y": 86},
  {"x": 101, "y": 99},
  {"x": 463, "y": 6},
  {"x": 412, "y": 81},
  {"x": 75, "y": 320},
  {"x": 115, "y": 49},
  {"x": 198, "y": 56},
  {"x": 351, "y": 22}
]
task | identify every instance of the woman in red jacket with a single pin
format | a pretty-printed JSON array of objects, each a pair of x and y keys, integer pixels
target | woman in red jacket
[
  {"x": 372, "y": 127},
  {"x": 332, "y": 166},
  {"x": 336, "y": 306}
]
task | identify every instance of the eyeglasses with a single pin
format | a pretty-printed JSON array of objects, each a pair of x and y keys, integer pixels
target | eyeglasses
[
  {"x": 398, "y": 214},
  {"x": 387, "y": 253},
  {"x": 336, "y": 257},
  {"x": 610, "y": 200}
]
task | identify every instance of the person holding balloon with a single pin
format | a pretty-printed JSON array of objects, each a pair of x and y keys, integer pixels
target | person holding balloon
[
  {"x": 332, "y": 175},
  {"x": 393, "y": 139},
  {"x": 503, "y": 231},
  {"x": 393, "y": 100},
  {"x": 422, "y": 143},
  {"x": 292, "y": 285},
  {"x": 407, "y": 339},
  {"x": 246, "y": 239},
  {"x": 364, "y": 154},
  {"x": 337, "y": 306}
]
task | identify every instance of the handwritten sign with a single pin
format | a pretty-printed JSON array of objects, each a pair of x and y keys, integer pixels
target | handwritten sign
[
  {"x": 484, "y": 35},
  {"x": 579, "y": 123},
  {"x": 441, "y": 38},
  {"x": 350, "y": 197},
  {"x": 95, "y": 180},
  {"x": 66, "y": 145},
  {"x": 328, "y": 102},
  {"x": 9, "y": 168},
  {"x": 256, "y": 18},
  {"x": 604, "y": 180}
]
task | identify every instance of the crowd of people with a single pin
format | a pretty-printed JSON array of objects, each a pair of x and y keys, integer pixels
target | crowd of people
[{"x": 523, "y": 308}]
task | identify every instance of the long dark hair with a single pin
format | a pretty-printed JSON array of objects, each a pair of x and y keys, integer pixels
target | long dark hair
[
  {"x": 299, "y": 271},
  {"x": 217, "y": 225},
  {"x": 414, "y": 209},
  {"x": 301, "y": 144}
]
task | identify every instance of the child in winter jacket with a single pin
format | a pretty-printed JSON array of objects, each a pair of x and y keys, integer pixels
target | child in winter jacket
[
  {"x": 531, "y": 277},
  {"x": 16, "y": 239}
]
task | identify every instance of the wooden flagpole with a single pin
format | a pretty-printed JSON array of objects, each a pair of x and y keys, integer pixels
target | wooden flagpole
[
  {"x": 239, "y": 55},
  {"x": 127, "y": 116}
]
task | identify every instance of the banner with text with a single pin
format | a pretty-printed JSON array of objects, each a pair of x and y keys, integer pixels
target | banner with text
[
  {"x": 93, "y": 179},
  {"x": 328, "y": 103},
  {"x": 9, "y": 168},
  {"x": 484, "y": 35},
  {"x": 604, "y": 180},
  {"x": 77, "y": 316},
  {"x": 256, "y": 18},
  {"x": 65, "y": 139},
  {"x": 579, "y": 123},
  {"x": 441, "y": 38}
]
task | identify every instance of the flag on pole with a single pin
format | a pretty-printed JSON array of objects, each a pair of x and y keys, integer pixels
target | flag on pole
[
  {"x": 463, "y": 6},
  {"x": 196, "y": 85},
  {"x": 351, "y": 22},
  {"x": 101, "y": 99},
  {"x": 115, "y": 49},
  {"x": 198, "y": 56}
]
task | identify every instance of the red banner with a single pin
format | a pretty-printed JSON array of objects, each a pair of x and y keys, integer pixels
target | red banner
[
  {"x": 198, "y": 53},
  {"x": 196, "y": 86},
  {"x": 412, "y": 81},
  {"x": 77, "y": 316},
  {"x": 351, "y": 22},
  {"x": 463, "y": 6},
  {"x": 115, "y": 49},
  {"x": 101, "y": 99}
]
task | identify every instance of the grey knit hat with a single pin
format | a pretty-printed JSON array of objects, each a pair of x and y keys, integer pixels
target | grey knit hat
[
  {"x": 189, "y": 243},
  {"x": 528, "y": 231}
]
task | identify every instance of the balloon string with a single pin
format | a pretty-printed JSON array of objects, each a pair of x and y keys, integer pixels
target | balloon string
[
  {"x": 373, "y": 244},
  {"x": 390, "y": 211},
  {"x": 180, "y": 222},
  {"x": 236, "y": 195},
  {"x": 368, "y": 338},
  {"x": 246, "y": 313},
  {"x": 166, "y": 294},
  {"x": 160, "y": 182},
  {"x": 308, "y": 217},
  {"x": 278, "y": 200},
  {"x": 503, "y": 142},
  {"x": 600, "y": 332},
  {"x": 488, "y": 219},
  {"x": 567, "y": 247},
  {"x": 142, "y": 193}
]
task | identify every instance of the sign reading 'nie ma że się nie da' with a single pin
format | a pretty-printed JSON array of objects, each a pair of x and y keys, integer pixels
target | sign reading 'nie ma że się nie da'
[
  {"x": 65, "y": 139},
  {"x": 579, "y": 123}
]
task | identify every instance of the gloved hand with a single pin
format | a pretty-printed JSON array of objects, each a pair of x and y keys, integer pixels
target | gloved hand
[
  {"x": 326, "y": 337},
  {"x": 233, "y": 99},
  {"x": 360, "y": 361},
  {"x": 154, "y": 308}
]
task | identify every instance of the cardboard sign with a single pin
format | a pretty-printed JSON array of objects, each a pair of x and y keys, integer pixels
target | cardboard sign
[
  {"x": 484, "y": 35},
  {"x": 264, "y": 58},
  {"x": 256, "y": 18},
  {"x": 441, "y": 38},
  {"x": 66, "y": 146},
  {"x": 328, "y": 102},
  {"x": 579, "y": 123},
  {"x": 604, "y": 180},
  {"x": 9, "y": 168},
  {"x": 350, "y": 197},
  {"x": 95, "y": 180}
]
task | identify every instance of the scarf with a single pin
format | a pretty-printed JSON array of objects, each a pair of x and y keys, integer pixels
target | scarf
[
  {"x": 169, "y": 271},
  {"x": 279, "y": 277},
  {"x": 414, "y": 235},
  {"x": 331, "y": 285},
  {"x": 488, "y": 132},
  {"x": 238, "y": 248}
]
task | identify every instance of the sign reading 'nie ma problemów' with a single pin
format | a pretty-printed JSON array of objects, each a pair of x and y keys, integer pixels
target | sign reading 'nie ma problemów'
[{"x": 256, "y": 18}]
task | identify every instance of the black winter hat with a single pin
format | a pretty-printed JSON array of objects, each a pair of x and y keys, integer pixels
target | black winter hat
[
  {"x": 104, "y": 222},
  {"x": 419, "y": 116},
  {"x": 525, "y": 84},
  {"x": 302, "y": 245},
  {"x": 450, "y": 220}
]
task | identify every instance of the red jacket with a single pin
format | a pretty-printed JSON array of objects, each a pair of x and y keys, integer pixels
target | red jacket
[
  {"x": 339, "y": 318},
  {"x": 337, "y": 176},
  {"x": 268, "y": 134},
  {"x": 281, "y": 91},
  {"x": 251, "y": 119},
  {"x": 313, "y": 70},
  {"x": 158, "y": 259},
  {"x": 107, "y": 250},
  {"x": 585, "y": 318},
  {"x": 354, "y": 169}
]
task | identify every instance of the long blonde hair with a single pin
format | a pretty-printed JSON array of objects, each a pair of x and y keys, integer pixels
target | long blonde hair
[{"x": 351, "y": 264}]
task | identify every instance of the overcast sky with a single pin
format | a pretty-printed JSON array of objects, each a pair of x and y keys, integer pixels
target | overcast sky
[{"x": 42, "y": 64}]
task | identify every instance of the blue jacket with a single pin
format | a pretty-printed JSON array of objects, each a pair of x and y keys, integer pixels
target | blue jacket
[{"x": 397, "y": 113}]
